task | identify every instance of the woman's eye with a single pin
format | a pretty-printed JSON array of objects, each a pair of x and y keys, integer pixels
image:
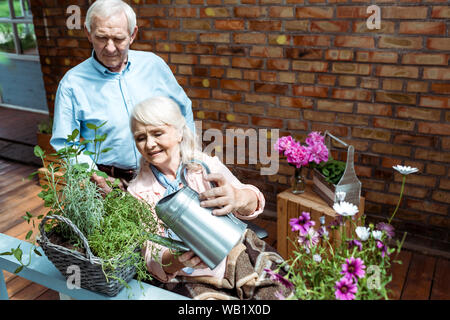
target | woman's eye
[{"x": 140, "y": 138}]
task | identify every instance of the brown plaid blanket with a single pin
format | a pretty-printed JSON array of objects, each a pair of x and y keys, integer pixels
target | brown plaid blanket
[{"x": 244, "y": 278}]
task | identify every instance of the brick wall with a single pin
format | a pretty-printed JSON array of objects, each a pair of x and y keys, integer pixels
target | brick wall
[{"x": 302, "y": 65}]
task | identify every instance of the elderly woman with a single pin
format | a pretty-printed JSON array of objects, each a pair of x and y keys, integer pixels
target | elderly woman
[{"x": 166, "y": 143}]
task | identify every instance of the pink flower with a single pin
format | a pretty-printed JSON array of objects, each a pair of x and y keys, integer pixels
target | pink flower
[
  {"x": 277, "y": 277},
  {"x": 297, "y": 155},
  {"x": 302, "y": 223},
  {"x": 318, "y": 152},
  {"x": 345, "y": 289},
  {"x": 283, "y": 143},
  {"x": 382, "y": 247},
  {"x": 314, "y": 137},
  {"x": 353, "y": 268},
  {"x": 309, "y": 239}
]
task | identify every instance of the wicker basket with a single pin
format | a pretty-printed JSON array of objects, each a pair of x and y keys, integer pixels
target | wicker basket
[{"x": 92, "y": 275}]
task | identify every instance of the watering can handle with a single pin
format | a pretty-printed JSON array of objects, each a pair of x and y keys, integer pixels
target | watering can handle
[
  {"x": 204, "y": 165},
  {"x": 213, "y": 185}
]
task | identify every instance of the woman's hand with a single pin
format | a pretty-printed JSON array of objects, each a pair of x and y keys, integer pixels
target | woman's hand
[
  {"x": 228, "y": 198},
  {"x": 103, "y": 185},
  {"x": 173, "y": 263}
]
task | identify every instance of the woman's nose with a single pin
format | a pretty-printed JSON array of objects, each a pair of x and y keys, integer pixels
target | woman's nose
[{"x": 150, "y": 143}]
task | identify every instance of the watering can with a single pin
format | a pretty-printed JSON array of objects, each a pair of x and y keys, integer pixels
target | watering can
[{"x": 210, "y": 237}]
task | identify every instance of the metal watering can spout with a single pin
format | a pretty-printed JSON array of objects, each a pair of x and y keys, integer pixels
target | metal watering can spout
[{"x": 210, "y": 237}]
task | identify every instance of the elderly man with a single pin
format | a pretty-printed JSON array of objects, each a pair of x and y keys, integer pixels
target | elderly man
[{"x": 105, "y": 87}]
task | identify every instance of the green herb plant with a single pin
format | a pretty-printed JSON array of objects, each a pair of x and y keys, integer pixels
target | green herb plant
[
  {"x": 332, "y": 170},
  {"x": 116, "y": 226}
]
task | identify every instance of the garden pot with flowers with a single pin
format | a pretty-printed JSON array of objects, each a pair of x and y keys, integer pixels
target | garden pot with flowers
[
  {"x": 101, "y": 234},
  {"x": 358, "y": 267},
  {"x": 330, "y": 177}
]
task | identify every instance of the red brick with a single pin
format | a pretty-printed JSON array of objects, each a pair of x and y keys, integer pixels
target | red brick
[
  {"x": 375, "y": 109},
  {"x": 238, "y": 85},
  {"x": 329, "y": 26},
  {"x": 342, "y": 55},
  {"x": 311, "y": 66},
  {"x": 250, "y": 38},
  {"x": 353, "y": 94},
  {"x": 417, "y": 86},
  {"x": 434, "y": 128},
  {"x": 271, "y": 88},
  {"x": 264, "y": 25},
  {"x": 351, "y": 68},
  {"x": 325, "y": 79},
  {"x": 397, "y": 71},
  {"x": 310, "y": 91},
  {"x": 229, "y": 24},
  {"x": 419, "y": 113},
  {"x": 432, "y": 155},
  {"x": 386, "y": 27},
  {"x": 415, "y": 140},
  {"x": 250, "y": 12},
  {"x": 374, "y": 134},
  {"x": 296, "y": 25},
  {"x": 393, "y": 124},
  {"x": 394, "y": 97},
  {"x": 400, "y": 42},
  {"x": 314, "y": 12},
  {"x": 436, "y": 73},
  {"x": 396, "y": 12},
  {"x": 425, "y": 59},
  {"x": 441, "y": 12},
  {"x": 435, "y": 102},
  {"x": 278, "y": 64},
  {"x": 166, "y": 24},
  {"x": 438, "y": 44},
  {"x": 267, "y": 52},
  {"x": 251, "y": 63},
  {"x": 304, "y": 54},
  {"x": 220, "y": 12},
  {"x": 281, "y": 12},
  {"x": 283, "y": 113},
  {"x": 336, "y": 106},
  {"x": 422, "y": 28},
  {"x": 213, "y": 60},
  {"x": 339, "y": 131},
  {"x": 373, "y": 56},
  {"x": 183, "y": 59},
  {"x": 354, "y": 41},
  {"x": 214, "y": 37},
  {"x": 391, "y": 149},
  {"x": 267, "y": 122},
  {"x": 442, "y": 88},
  {"x": 304, "y": 103},
  {"x": 319, "y": 41},
  {"x": 352, "y": 12},
  {"x": 182, "y": 12}
]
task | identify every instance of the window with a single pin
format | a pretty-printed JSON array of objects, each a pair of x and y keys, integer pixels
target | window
[{"x": 17, "y": 37}]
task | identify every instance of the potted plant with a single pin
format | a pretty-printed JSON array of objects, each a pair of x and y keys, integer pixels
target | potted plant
[
  {"x": 357, "y": 267},
  {"x": 101, "y": 235}
]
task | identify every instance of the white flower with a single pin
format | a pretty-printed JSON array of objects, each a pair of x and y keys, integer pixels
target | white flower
[
  {"x": 377, "y": 234},
  {"x": 340, "y": 196},
  {"x": 405, "y": 169},
  {"x": 363, "y": 233},
  {"x": 322, "y": 220},
  {"x": 346, "y": 209},
  {"x": 317, "y": 258}
]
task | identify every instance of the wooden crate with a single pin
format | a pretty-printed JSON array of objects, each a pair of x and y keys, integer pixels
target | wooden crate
[
  {"x": 291, "y": 205},
  {"x": 43, "y": 173}
]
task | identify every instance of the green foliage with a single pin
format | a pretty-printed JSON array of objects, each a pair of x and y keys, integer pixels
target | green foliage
[
  {"x": 46, "y": 126},
  {"x": 332, "y": 170}
]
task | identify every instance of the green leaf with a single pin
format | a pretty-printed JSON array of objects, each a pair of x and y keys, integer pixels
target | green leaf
[
  {"x": 91, "y": 126},
  {"x": 9, "y": 253},
  {"x": 106, "y": 150},
  {"x": 101, "y": 174},
  {"x": 31, "y": 175},
  {"x": 37, "y": 252},
  {"x": 89, "y": 153},
  {"x": 75, "y": 133},
  {"x": 38, "y": 152},
  {"x": 102, "y": 125},
  {"x": 18, "y": 253},
  {"x": 18, "y": 269}
]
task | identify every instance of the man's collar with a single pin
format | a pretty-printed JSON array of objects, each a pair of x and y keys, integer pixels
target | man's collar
[{"x": 102, "y": 69}]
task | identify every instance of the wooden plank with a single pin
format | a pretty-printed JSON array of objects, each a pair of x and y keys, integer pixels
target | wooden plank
[
  {"x": 399, "y": 273},
  {"x": 282, "y": 226},
  {"x": 31, "y": 292},
  {"x": 441, "y": 284},
  {"x": 16, "y": 284},
  {"x": 420, "y": 276},
  {"x": 49, "y": 295}
]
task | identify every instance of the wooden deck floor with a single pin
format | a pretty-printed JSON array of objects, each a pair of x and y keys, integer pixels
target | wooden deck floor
[{"x": 419, "y": 277}]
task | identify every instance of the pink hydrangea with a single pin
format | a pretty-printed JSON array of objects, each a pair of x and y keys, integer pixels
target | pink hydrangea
[{"x": 284, "y": 143}]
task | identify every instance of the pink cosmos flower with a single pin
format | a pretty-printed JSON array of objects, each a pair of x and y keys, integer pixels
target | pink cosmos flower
[
  {"x": 382, "y": 247},
  {"x": 277, "y": 277},
  {"x": 353, "y": 268},
  {"x": 302, "y": 223},
  {"x": 386, "y": 227},
  {"x": 345, "y": 289},
  {"x": 309, "y": 239}
]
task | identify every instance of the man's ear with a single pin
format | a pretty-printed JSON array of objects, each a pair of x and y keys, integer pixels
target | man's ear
[
  {"x": 134, "y": 34},
  {"x": 88, "y": 35}
]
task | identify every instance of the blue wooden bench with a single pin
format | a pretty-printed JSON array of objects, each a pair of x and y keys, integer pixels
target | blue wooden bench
[{"x": 43, "y": 272}]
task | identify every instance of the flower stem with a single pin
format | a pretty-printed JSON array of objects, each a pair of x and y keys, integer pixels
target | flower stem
[{"x": 399, "y": 199}]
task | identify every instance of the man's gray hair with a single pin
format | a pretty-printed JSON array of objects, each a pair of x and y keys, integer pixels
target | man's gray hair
[{"x": 108, "y": 8}]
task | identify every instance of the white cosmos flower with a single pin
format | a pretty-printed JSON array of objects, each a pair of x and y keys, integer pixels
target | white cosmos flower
[
  {"x": 345, "y": 209},
  {"x": 405, "y": 169},
  {"x": 377, "y": 234},
  {"x": 317, "y": 258},
  {"x": 363, "y": 233}
]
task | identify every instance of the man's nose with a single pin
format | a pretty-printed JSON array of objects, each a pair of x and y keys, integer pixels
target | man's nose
[{"x": 110, "y": 46}]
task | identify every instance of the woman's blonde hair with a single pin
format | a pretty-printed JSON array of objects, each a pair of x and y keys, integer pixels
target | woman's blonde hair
[{"x": 159, "y": 111}]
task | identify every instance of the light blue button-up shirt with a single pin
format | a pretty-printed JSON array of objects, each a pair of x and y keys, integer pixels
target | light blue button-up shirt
[{"x": 90, "y": 93}]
